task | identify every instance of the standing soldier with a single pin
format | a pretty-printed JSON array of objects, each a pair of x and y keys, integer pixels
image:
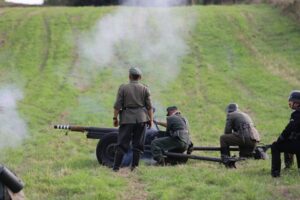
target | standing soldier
[
  {"x": 289, "y": 140},
  {"x": 239, "y": 131},
  {"x": 177, "y": 129},
  {"x": 134, "y": 108}
]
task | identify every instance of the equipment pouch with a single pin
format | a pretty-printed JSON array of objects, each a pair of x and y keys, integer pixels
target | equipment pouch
[{"x": 249, "y": 131}]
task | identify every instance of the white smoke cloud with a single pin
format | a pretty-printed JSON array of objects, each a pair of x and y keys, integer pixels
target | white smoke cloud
[
  {"x": 13, "y": 128},
  {"x": 151, "y": 38},
  {"x": 30, "y": 2}
]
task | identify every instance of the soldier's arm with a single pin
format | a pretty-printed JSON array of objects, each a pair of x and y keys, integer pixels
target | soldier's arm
[
  {"x": 164, "y": 124},
  {"x": 148, "y": 105},
  {"x": 119, "y": 99},
  {"x": 150, "y": 113},
  {"x": 118, "y": 106},
  {"x": 291, "y": 127},
  {"x": 228, "y": 125}
]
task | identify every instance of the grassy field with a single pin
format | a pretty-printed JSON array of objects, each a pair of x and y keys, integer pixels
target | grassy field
[{"x": 247, "y": 54}]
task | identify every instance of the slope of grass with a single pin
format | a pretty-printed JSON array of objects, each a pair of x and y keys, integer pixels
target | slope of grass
[{"x": 243, "y": 54}]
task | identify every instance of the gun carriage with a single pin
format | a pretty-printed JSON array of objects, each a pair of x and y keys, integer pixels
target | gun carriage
[{"x": 107, "y": 137}]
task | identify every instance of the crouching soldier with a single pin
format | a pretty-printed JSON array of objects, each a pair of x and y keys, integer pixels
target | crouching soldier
[
  {"x": 178, "y": 135},
  {"x": 289, "y": 140},
  {"x": 239, "y": 131}
]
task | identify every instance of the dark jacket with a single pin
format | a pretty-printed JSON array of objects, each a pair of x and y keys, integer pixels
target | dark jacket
[{"x": 292, "y": 130}]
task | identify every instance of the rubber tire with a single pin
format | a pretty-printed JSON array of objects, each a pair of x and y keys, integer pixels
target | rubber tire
[{"x": 105, "y": 150}]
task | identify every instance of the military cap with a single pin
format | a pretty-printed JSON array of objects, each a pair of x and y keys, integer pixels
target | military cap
[
  {"x": 232, "y": 107},
  {"x": 135, "y": 71},
  {"x": 171, "y": 108}
]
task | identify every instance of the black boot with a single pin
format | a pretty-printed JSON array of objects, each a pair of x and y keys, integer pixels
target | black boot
[
  {"x": 288, "y": 160},
  {"x": 225, "y": 152},
  {"x": 135, "y": 160},
  {"x": 298, "y": 161},
  {"x": 276, "y": 161},
  {"x": 275, "y": 173},
  {"x": 117, "y": 161}
]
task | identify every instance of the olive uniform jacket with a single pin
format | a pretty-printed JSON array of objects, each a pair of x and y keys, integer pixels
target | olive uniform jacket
[
  {"x": 177, "y": 126},
  {"x": 133, "y": 100},
  {"x": 241, "y": 124}
]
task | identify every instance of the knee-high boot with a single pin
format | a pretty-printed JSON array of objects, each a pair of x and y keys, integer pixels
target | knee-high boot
[
  {"x": 298, "y": 161},
  {"x": 135, "y": 159},
  {"x": 288, "y": 160},
  {"x": 118, "y": 160},
  {"x": 225, "y": 152}
]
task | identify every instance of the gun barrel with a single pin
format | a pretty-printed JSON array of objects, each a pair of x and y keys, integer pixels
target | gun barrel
[
  {"x": 71, "y": 128},
  {"x": 61, "y": 127}
]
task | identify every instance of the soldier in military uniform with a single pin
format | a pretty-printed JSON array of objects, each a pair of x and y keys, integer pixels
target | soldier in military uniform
[
  {"x": 134, "y": 107},
  {"x": 177, "y": 129},
  {"x": 239, "y": 131},
  {"x": 289, "y": 139}
]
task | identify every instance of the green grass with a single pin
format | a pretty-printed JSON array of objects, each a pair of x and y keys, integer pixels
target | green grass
[{"x": 244, "y": 54}]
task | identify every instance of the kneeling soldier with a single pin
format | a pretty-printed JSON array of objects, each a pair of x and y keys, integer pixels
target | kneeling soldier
[
  {"x": 177, "y": 129},
  {"x": 239, "y": 131},
  {"x": 289, "y": 140}
]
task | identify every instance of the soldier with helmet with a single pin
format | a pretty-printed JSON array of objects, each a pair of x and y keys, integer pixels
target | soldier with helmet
[
  {"x": 289, "y": 139},
  {"x": 239, "y": 131},
  {"x": 134, "y": 107},
  {"x": 178, "y": 135}
]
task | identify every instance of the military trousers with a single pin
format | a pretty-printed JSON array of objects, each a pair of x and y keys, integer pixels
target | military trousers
[
  {"x": 246, "y": 145},
  {"x": 159, "y": 145},
  {"x": 288, "y": 146},
  {"x": 134, "y": 134}
]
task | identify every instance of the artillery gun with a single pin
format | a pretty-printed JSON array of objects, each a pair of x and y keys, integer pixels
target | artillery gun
[{"x": 107, "y": 137}]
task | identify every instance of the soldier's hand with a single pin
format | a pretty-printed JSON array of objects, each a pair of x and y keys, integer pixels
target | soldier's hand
[
  {"x": 150, "y": 123},
  {"x": 116, "y": 122}
]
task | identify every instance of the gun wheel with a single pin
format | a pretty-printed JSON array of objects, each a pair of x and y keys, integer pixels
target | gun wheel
[{"x": 105, "y": 150}]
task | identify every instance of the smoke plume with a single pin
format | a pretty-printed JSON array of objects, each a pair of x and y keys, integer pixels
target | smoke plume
[
  {"x": 12, "y": 126},
  {"x": 146, "y": 34}
]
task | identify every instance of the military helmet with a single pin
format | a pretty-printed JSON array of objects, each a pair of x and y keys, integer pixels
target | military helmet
[
  {"x": 295, "y": 96},
  {"x": 135, "y": 71},
  {"x": 232, "y": 107}
]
